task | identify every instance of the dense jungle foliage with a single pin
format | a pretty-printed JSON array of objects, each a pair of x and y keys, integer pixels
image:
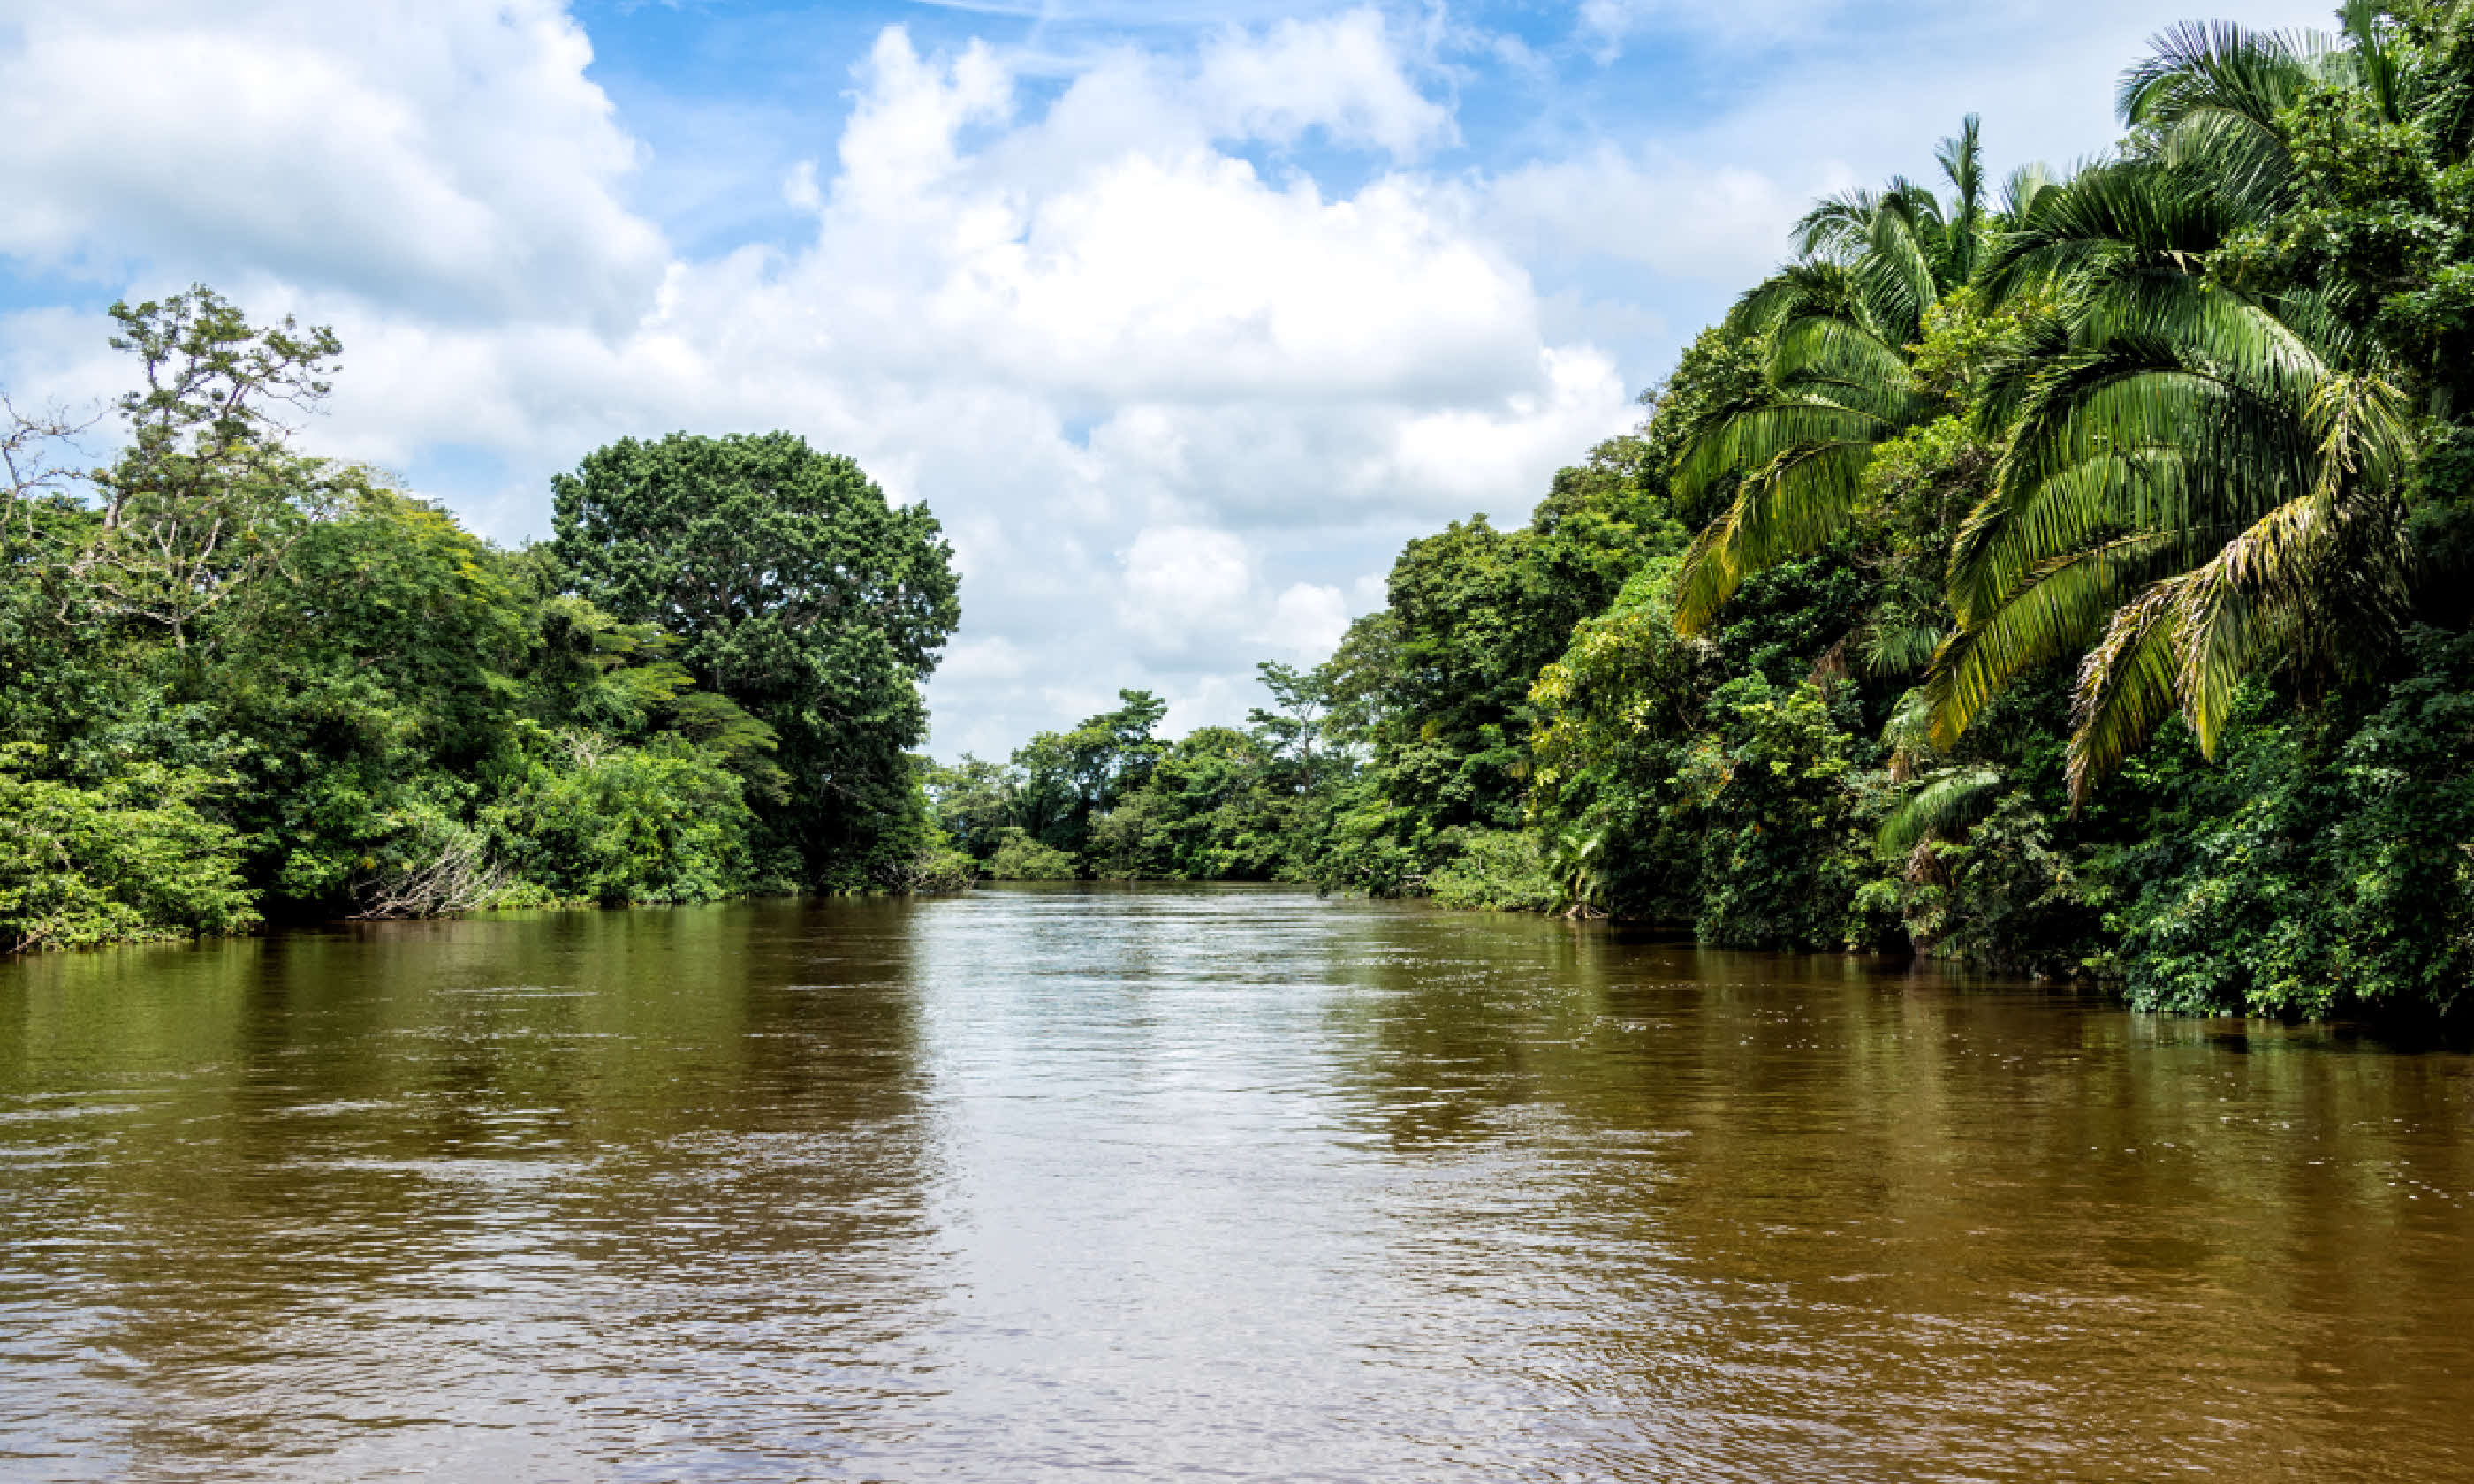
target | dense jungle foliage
[
  {"x": 246, "y": 684},
  {"x": 2071, "y": 576}
]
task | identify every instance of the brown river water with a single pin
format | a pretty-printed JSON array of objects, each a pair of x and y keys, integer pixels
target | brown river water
[{"x": 1212, "y": 1183}]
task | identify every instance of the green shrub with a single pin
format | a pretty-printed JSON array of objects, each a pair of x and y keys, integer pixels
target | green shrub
[
  {"x": 1371, "y": 844},
  {"x": 1498, "y": 870},
  {"x": 2006, "y": 898},
  {"x": 938, "y": 867},
  {"x": 1773, "y": 799},
  {"x": 662, "y": 823},
  {"x": 2321, "y": 867},
  {"x": 129, "y": 860},
  {"x": 1136, "y": 841},
  {"x": 434, "y": 865},
  {"x": 1021, "y": 858}
]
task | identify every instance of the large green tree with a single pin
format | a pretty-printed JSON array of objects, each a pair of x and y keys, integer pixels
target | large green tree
[
  {"x": 208, "y": 495},
  {"x": 1063, "y": 778},
  {"x": 2214, "y": 427},
  {"x": 1435, "y": 686},
  {"x": 795, "y": 588},
  {"x": 1838, "y": 328}
]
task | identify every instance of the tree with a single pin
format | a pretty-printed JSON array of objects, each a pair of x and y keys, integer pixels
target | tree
[
  {"x": 796, "y": 590},
  {"x": 206, "y": 495},
  {"x": 974, "y": 803},
  {"x": 1067, "y": 777},
  {"x": 37, "y": 484},
  {"x": 370, "y": 678},
  {"x": 1294, "y": 728},
  {"x": 133, "y": 858},
  {"x": 2214, "y": 429},
  {"x": 1838, "y": 325}
]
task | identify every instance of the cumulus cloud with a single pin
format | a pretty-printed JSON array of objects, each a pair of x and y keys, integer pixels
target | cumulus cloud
[
  {"x": 1307, "y": 621},
  {"x": 1338, "y": 73},
  {"x": 1182, "y": 582},
  {"x": 448, "y": 157},
  {"x": 1154, "y": 392},
  {"x": 1675, "y": 214}
]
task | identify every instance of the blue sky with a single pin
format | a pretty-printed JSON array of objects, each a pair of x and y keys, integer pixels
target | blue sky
[{"x": 1181, "y": 316}]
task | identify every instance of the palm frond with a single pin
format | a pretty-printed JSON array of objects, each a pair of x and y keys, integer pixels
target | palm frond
[
  {"x": 2114, "y": 445},
  {"x": 1908, "y": 733},
  {"x": 2375, "y": 63},
  {"x": 1758, "y": 436},
  {"x": 1805, "y": 288},
  {"x": 2113, "y": 219},
  {"x": 2059, "y": 607},
  {"x": 1833, "y": 359},
  {"x": 1802, "y": 496},
  {"x": 2318, "y": 584},
  {"x": 1835, "y": 228},
  {"x": 1900, "y": 648},
  {"x": 1946, "y": 805},
  {"x": 1962, "y": 157},
  {"x": 2365, "y": 433},
  {"x": 2221, "y": 67},
  {"x": 2024, "y": 187},
  {"x": 2125, "y": 687},
  {"x": 2214, "y": 93},
  {"x": 2233, "y": 160}
]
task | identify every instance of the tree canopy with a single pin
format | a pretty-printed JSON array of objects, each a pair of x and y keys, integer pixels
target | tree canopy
[
  {"x": 245, "y": 683},
  {"x": 795, "y": 589}
]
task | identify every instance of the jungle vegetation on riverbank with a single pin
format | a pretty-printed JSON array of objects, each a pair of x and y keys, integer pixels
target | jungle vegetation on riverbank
[
  {"x": 2069, "y": 574},
  {"x": 246, "y": 684}
]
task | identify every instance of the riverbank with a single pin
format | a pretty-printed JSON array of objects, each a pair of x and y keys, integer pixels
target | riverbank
[{"x": 1963, "y": 592}]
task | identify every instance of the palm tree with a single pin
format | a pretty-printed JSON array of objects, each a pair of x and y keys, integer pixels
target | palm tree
[
  {"x": 1839, "y": 321},
  {"x": 2200, "y": 484},
  {"x": 2211, "y": 95}
]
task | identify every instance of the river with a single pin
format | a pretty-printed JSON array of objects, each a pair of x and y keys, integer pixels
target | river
[{"x": 1237, "y": 1184}]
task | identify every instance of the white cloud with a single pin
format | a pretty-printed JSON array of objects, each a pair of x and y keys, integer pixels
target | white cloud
[
  {"x": 1338, "y": 73},
  {"x": 993, "y": 658},
  {"x": 1104, "y": 347},
  {"x": 447, "y": 156},
  {"x": 1307, "y": 621},
  {"x": 1175, "y": 409},
  {"x": 1184, "y": 583},
  {"x": 1680, "y": 215},
  {"x": 799, "y": 189}
]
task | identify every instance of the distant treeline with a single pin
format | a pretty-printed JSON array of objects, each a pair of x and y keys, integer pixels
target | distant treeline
[
  {"x": 239, "y": 682},
  {"x": 2070, "y": 575}
]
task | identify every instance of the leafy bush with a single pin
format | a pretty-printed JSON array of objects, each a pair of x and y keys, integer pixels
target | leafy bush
[
  {"x": 437, "y": 865},
  {"x": 1021, "y": 858},
  {"x": 132, "y": 858},
  {"x": 662, "y": 823},
  {"x": 1781, "y": 851},
  {"x": 1498, "y": 870},
  {"x": 2321, "y": 867},
  {"x": 938, "y": 867},
  {"x": 1614, "y": 718},
  {"x": 1372, "y": 845},
  {"x": 1136, "y": 841},
  {"x": 2007, "y": 898}
]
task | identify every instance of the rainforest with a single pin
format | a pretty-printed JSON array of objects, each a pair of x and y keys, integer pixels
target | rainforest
[{"x": 2068, "y": 575}]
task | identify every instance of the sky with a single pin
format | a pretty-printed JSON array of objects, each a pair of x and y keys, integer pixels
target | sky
[{"x": 1181, "y": 315}]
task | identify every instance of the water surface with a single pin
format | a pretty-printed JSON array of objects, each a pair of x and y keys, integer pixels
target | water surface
[{"x": 1234, "y": 1183}]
